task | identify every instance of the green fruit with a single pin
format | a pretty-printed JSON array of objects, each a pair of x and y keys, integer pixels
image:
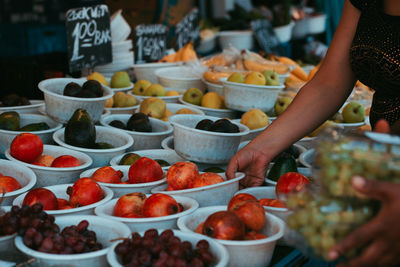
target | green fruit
[
  {"x": 214, "y": 169},
  {"x": 120, "y": 79},
  {"x": 94, "y": 86},
  {"x": 9, "y": 121},
  {"x": 281, "y": 104},
  {"x": 236, "y": 77},
  {"x": 118, "y": 124},
  {"x": 129, "y": 159},
  {"x": 80, "y": 130},
  {"x": 162, "y": 162},
  {"x": 139, "y": 122},
  {"x": 283, "y": 164},
  {"x": 155, "y": 90},
  {"x": 41, "y": 126},
  {"x": 103, "y": 145},
  {"x": 353, "y": 112},
  {"x": 72, "y": 89},
  {"x": 140, "y": 87},
  {"x": 271, "y": 78},
  {"x": 193, "y": 96}
]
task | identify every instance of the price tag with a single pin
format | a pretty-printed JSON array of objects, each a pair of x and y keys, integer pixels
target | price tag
[
  {"x": 88, "y": 37},
  {"x": 150, "y": 42},
  {"x": 188, "y": 29},
  {"x": 266, "y": 37}
]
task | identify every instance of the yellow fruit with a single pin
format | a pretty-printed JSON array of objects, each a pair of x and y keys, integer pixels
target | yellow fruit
[
  {"x": 154, "y": 107},
  {"x": 109, "y": 102},
  {"x": 155, "y": 90},
  {"x": 236, "y": 77},
  {"x": 185, "y": 111},
  {"x": 211, "y": 100},
  {"x": 172, "y": 93},
  {"x": 98, "y": 77},
  {"x": 255, "y": 78},
  {"x": 140, "y": 87},
  {"x": 167, "y": 114},
  {"x": 254, "y": 119}
]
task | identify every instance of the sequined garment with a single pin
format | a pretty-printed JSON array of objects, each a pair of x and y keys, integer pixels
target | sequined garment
[{"x": 375, "y": 58}]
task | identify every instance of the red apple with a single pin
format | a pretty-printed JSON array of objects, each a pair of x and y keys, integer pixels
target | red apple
[
  {"x": 271, "y": 202},
  {"x": 145, "y": 170},
  {"x": 107, "y": 175},
  {"x": 44, "y": 160},
  {"x": 43, "y": 196},
  {"x": 26, "y": 147},
  {"x": 66, "y": 161},
  {"x": 207, "y": 178},
  {"x": 252, "y": 214},
  {"x": 181, "y": 175},
  {"x": 8, "y": 184},
  {"x": 130, "y": 205},
  {"x": 238, "y": 199},
  {"x": 159, "y": 204},
  {"x": 85, "y": 191},
  {"x": 291, "y": 182},
  {"x": 224, "y": 225}
]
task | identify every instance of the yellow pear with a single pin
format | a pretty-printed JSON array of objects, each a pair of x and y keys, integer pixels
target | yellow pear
[
  {"x": 211, "y": 100},
  {"x": 255, "y": 78},
  {"x": 223, "y": 106},
  {"x": 140, "y": 87},
  {"x": 172, "y": 93},
  {"x": 130, "y": 101},
  {"x": 98, "y": 77},
  {"x": 185, "y": 111},
  {"x": 155, "y": 90},
  {"x": 167, "y": 114},
  {"x": 154, "y": 107},
  {"x": 254, "y": 119},
  {"x": 119, "y": 99}
]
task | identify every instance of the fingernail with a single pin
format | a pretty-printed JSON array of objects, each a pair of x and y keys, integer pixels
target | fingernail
[
  {"x": 358, "y": 181},
  {"x": 333, "y": 255}
]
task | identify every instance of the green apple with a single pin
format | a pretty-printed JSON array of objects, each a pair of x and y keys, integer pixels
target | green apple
[
  {"x": 353, "y": 112},
  {"x": 255, "y": 78},
  {"x": 140, "y": 87},
  {"x": 271, "y": 78},
  {"x": 155, "y": 90},
  {"x": 120, "y": 79},
  {"x": 193, "y": 96},
  {"x": 236, "y": 77},
  {"x": 281, "y": 104}
]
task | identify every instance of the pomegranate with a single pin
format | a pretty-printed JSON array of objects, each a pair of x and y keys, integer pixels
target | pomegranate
[
  {"x": 291, "y": 182},
  {"x": 238, "y": 199},
  {"x": 181, "y": 175},
  {"x": 145, "y": 170},
  {"x": 65, "y": 161},
  {"x": 199, "y": 228},
  {"x": 271, "y": 202},
  {"x": 26, "y": 147},
  {"x": 252, "y": 214},
  {"x": 44, "y": 160},
  {"x": 130, "y": 205},
  {"x": 84, "y": 191},
  {"x": 254, "y": 236},
  {"x": 41, "y": 195},
  {"x": 224, "y": 225},
  {"x": 160, "y": 205},
  {"x": 63, "y": 204},
  {"x": 207, "y": 178},
  {"x": 107, "y": 175},
  {"x": 8, "y": 184}
]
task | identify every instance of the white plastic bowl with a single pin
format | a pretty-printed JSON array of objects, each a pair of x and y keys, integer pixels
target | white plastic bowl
[
  {"x": 220, "y": 113},
  {"x": 219, "y": 252},
  {"x": 243, "y": 97},
  {"x": 6, "y": 137},
  {"x": 121, "y": 89},
  {"x": 307, "y": 158},
  {"x": 120, "y": 140},
  {"x": 106, "y": 230},
  {"x": 143, "y": 140},
  {"x": 33, "y": 108},
  {"x": 179, "y": 78},
  {"x": 147, "y": 71},
  {"x": 351, "y": 126},
  {"x": 211, "y": 195},
  {"x": 167, "y": 99},
  {"x": 255, "y": 253},
  {"x": 47, "y": 176},
  {"x": 143, "y": 224},
  {"x": 169, "y": 156},
  {"x": 204, "y": 146},
  {"x": 25, "y": 177},
  {"x": 61, "y": 108},
  {"x": 302, "y": 170},
  {"x": 213, "y": 87},
  {"x": 238, "y": 39},
  {"x": 60, "y": 191},
  {"x": 125, "y": 110},
  {"x": 168, "y": 143},
  {"x": 284, "y": 33},
  {"x": 123, "y": 189},
  {"x": 8, "y": 251}
]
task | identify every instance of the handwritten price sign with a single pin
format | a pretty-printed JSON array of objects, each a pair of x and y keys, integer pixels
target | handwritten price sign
[
  {"x": 150, "y": 42},
  {"x": 188, "y": 29},
  {"x": 88, "y": 37}
]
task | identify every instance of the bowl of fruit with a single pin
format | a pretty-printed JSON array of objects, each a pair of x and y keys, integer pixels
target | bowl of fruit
[
  {"x": 211, "y": 103},
  {"x": 164, "y": 157},
  {"x": 142, "y": 212},
  {"x": 120, "y": 82},
  {"x": 98, "y": 142},
  {"x": 184, "y": 179},
  {"x": 180, "y": 78},
  {"x": 254, "y": 248},
  {"x": 256, "y": 120},
  {"x": 13, "y": 123},
  {"x": 95, "y": 235},
  {"x": 13, "y": 102},
  {"x": 351, "y": 116},
  {"x": 219, "y": 138},
  {"x": 64, "y": 95},
  {"x": 141, "y": 176},
  {"x": 8, "y": 232},
  {"x": 51, "y": 164},
  {"x": 146, "y": 71},
  {"x": 255, "y": 90},
  {"x": 147, "y": 132},
  {"x": 176, "y": 109},
  {"x": 203, "y": 251},
  {"x": 144, "y": 89},
  {"x": 122, "y": 103},
  {"x": 82, "y": 197},
  {"x": 15, "y": 180}
]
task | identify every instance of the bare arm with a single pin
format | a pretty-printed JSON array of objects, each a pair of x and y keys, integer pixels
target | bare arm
[{"x": 314, "y": 103}]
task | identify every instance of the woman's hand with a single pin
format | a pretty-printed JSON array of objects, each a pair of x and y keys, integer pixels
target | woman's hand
[
  {"x": 253, "y": 162},
  {"x": 380, "y": 237}
]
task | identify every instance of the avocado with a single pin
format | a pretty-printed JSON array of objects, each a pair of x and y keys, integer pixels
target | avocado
[
  {"x": 118, "y": 124},
  {"x": 41, "y": 126},
  {"x": 214, "y": 169},
  {"x": 162, "y": 162},
  {"x": 204, "y": 124},
  {"x": 10, "y": 100},
  {"x": 129, "y": 159},
  {"x": 283, "y": 164},
  {"x": 139, "y": 122},
  {"x": 93, "y": 86},
  {"x": 9, "y": 121},
  {"x": 72, "y": 89},
  {"x": 102, "y": 145},
  {"x": 224, "y": 126},
  {"x": 80, "y": 130}
]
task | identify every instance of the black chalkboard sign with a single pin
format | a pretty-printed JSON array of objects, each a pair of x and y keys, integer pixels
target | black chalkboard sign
[
  {"x": 266, "y": 37},
  {"x": 88, "y": 37},
  {"x": 150, "y": 42},
  {"x": 188, "y": 29}
]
